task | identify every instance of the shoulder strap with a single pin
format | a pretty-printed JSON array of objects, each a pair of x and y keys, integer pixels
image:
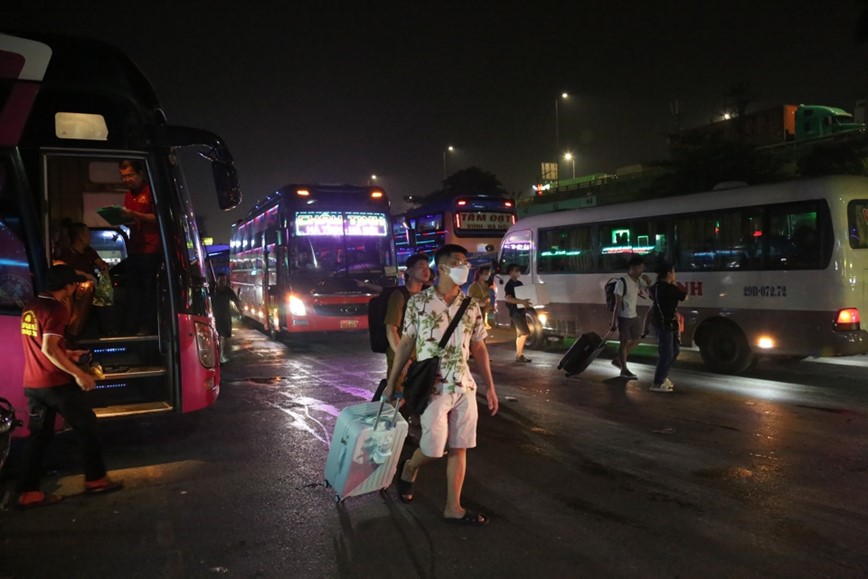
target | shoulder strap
[{"x": 454, "y": 323}]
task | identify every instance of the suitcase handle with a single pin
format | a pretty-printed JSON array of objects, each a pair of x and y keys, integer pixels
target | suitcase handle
[
  {"x": 398, "y": 396},
  {"x": 379, "y": 412}
]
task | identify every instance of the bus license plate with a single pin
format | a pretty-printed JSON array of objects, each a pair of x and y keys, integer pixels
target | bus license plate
[{"x": 349, "y": 324}]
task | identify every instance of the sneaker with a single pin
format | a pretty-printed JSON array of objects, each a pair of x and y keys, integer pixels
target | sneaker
[
  {"x": 521, "y": 359},
  {"x": 224, "y": 359},
  {"x": 627, "y": 374},
  {"x": 661, "y": 387},
  {"x": 669, "y": 384}
]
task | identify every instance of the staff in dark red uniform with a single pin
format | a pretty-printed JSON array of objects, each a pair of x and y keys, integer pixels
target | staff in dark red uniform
[
  {"x": 144, "y": 250},
  {"x": 48, "y": 369}
]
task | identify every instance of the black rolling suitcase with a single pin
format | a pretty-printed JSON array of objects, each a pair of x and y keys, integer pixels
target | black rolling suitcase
[{"x": 582, "y": 353}]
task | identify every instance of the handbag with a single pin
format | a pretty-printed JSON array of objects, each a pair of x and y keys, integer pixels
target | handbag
[
  {"x": 104, "y": 295},
  {"x": 422, "y": 374}
]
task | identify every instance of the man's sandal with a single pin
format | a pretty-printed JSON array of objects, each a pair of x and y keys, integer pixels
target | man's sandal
[
  {"x": 405, "y": 488},
  {"x": 36, "y": 499}
]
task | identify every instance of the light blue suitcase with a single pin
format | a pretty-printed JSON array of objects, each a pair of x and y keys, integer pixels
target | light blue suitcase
[{"x": 365, "y": 448}]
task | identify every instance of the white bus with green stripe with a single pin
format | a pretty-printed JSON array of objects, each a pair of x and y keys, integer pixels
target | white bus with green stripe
[{"x": 771, "y": 270}]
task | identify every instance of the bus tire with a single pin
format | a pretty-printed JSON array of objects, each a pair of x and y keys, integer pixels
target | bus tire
[
  {"x": 537, "y": 339},
  {"x": 724, "y": 349}
]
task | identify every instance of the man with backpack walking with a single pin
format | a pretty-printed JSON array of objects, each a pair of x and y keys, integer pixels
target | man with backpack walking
[
  {"x": 625, "y": 318},
  {"x": 416, "y": 278},
  {"x": 386, "y": 312}
]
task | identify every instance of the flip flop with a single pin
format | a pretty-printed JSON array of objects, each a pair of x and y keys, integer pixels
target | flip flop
[
  {"x": 470, "y": 519},
  {"x": 110, "y": 486},
  {"x": 47, "y": 501},
  {"x": 405, "y": 488}
]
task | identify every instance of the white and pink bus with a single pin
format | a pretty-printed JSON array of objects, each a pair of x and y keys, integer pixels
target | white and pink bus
[
  {"x": 778, "y": 270},
  {"x": 70, "y": 111}
]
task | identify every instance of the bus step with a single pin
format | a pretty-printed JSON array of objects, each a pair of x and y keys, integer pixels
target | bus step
[
  {"x": 109, "y": 340},
  {"x": 121, "y": 372},
  {"x": 132, "y": 409}
]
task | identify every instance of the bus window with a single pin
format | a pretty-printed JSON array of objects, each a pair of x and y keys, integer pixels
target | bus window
[
  {"x": 720, "y": 240},
  {"x": 616, "y": 246},
  {"x": 565, "y": 250},
  {"x": 429, "y": 234},
  {"x": 16, "y": 285},
  {"x": 857, "y": 223},
  {"x": 620, "y": 241},
  {"x": 794, "y": 237},
  {"x": 110, "y": 244},
  {"x": 516, "y": 249}
]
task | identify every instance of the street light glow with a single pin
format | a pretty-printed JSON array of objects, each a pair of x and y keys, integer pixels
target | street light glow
[
  {"x": 448, "y": 149},
  {"x": 572, "y": 159},
  {"x": 564, "y": 96}
]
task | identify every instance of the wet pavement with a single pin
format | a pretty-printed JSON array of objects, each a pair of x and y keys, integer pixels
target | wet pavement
[{"x": 762, "y": 475}]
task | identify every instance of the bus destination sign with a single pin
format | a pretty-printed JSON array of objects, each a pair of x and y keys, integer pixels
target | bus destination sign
[
  {"x": 486, "y": 220},
  {"x": 367, "y": 224},
  {"x": 334, "y": 223}
]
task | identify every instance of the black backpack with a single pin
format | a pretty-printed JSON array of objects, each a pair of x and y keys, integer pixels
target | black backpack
[
  {"x": 377, "y": 315},
  {"x": 610, "y": 292}
]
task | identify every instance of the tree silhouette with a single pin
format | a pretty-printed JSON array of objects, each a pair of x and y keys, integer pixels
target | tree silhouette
[
  {"x": 702, "y": 161},
  {"x": 469, "y": 181}
]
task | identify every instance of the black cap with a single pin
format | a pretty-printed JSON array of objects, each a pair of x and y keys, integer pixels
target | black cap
[{"x": 59, "y": 276}]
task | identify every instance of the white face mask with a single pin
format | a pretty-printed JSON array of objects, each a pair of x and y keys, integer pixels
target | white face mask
[{"x": 459, "y": 273}]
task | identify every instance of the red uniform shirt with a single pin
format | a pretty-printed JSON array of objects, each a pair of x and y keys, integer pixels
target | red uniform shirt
[
  {"x": 144, "y": 235},
  {"x": 43, "y": 316}
]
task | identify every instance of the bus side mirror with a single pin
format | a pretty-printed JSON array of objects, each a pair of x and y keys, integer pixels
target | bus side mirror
[
  {"x": 227, "y": 184},
  {"x": 222, "y": 167}
]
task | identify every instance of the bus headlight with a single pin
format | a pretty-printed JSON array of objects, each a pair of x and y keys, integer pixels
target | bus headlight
[
  {"x": 296, "y": 306},
  {"x": 542, "y": 317},
  {"x": 206, "y": 345}
]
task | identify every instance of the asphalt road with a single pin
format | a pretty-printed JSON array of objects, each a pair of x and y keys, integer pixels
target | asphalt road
[{"x": 762, "y": 475}]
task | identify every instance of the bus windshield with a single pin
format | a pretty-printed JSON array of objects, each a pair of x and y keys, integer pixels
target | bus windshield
[{"x": 339, "y": 255}]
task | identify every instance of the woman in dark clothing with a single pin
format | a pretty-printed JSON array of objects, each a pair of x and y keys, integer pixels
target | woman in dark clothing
[
  {"x": 86, "y": 261},
  {"x": 664, "y": 321},
  {"x": 222, "y": 298}
]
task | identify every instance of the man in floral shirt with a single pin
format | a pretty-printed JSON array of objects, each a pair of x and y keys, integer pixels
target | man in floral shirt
[{"x": 451, "y": 415}]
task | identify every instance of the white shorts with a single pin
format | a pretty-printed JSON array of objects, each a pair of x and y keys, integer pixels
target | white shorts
[{"x": 449, "y": 418}]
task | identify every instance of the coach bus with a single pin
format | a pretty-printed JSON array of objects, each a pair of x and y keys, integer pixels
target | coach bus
[
  {"x": 70, "y": 111},
  {"x": 771, "y": 270},
  {"x": 476, "y": 222},
  {"x": 308, "y": 258}
]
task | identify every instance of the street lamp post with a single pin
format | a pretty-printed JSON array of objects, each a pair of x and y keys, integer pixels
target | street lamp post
[
  {"x": 448, "y": 149},
  {"x": 372, "y": 180},
  {"x": 557, "y": 124},
  {"x": 572, "y": 159}
]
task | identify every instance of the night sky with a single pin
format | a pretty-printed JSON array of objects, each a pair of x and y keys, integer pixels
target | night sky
[{"x": 335, "y": 91}]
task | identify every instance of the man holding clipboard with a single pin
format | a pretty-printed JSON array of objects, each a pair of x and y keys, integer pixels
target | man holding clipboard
[{"x": 144, "y": 249}]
